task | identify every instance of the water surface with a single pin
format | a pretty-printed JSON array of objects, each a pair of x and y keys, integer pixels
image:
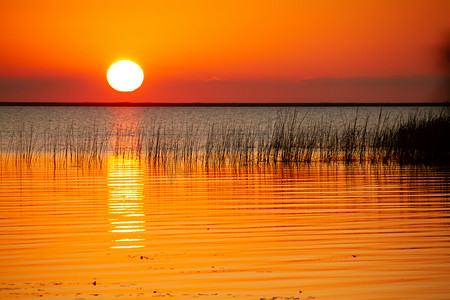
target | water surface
[
  {"x": 44, "y": 118},
  {"x": 130, "y": 228},
  {"x": 289, "y": 231}
]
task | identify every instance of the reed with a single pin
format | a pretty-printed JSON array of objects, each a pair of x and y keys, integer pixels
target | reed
[
  {"x": 23, "y": 145},
  {"x": 422, "y": 140},
  {"x": 418, "y": 139}
]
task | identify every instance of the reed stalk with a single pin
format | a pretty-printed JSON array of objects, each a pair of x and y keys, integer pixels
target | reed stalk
[{"x": 288, "y": 139}]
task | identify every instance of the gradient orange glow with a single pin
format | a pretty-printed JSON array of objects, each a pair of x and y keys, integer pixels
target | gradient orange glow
[{"x": 253, "y": 51}]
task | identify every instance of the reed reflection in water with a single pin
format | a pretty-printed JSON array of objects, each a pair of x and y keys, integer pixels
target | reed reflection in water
[
  {"x": 126, "y": 201},
  {"x": 291, "y": 231}
]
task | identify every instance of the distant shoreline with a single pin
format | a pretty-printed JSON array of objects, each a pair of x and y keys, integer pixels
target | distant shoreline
[{"x": 204, "y": 104}]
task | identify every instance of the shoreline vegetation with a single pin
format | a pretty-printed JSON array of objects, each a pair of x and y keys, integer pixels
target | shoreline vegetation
[{"x": 414, "y": 140}]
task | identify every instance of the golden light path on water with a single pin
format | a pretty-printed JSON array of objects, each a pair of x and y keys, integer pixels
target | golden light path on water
[
  {"x": 136, "y": 229},
  {"x": 126, "y": 202}
]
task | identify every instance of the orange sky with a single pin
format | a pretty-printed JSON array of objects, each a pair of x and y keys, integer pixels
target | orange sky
[{"x": 225, "y": 51}]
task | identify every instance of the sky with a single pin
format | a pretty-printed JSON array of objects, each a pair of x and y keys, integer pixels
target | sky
[{"x": 227, "y": 51}]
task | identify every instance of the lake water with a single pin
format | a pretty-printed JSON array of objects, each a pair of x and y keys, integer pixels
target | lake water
[
  {"x": 49, "y": 118},
  {"x": 129, "y": 228}
]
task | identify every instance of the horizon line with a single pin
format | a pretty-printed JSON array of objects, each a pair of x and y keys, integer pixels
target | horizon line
[{"x": 222, "y": 104}]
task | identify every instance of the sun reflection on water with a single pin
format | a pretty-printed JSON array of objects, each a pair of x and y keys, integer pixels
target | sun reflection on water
[{"x": 126, "y": 206}]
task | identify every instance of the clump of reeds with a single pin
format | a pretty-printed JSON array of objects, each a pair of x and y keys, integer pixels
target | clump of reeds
[
  {"x": 289, "y": 138},
  {"x": 21, "y": 147},
  {"x": 227, "y": 144},
  {"x": 422, "y": 140}
]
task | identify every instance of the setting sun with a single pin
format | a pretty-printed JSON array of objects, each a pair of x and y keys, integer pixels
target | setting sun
[{"x": 125, "y": 76}]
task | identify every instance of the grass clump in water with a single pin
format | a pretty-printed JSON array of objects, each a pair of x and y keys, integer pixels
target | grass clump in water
[
  {"x": 422, "y": 140},
  {"x": 416, "y": 140}
]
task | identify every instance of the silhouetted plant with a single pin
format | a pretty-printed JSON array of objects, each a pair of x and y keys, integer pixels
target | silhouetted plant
[{"x": 416, "y": 140}]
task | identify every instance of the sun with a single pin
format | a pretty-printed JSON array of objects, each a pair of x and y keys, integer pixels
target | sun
[{"x": 125, "y": 76}]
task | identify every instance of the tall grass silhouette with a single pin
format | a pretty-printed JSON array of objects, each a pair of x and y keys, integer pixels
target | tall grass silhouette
[{"x": 417, "y": 139}]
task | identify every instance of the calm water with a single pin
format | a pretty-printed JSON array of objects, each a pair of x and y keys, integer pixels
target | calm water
[
  {"x": 178, "y": 118},
  {"x": 292, "y": 231}
]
